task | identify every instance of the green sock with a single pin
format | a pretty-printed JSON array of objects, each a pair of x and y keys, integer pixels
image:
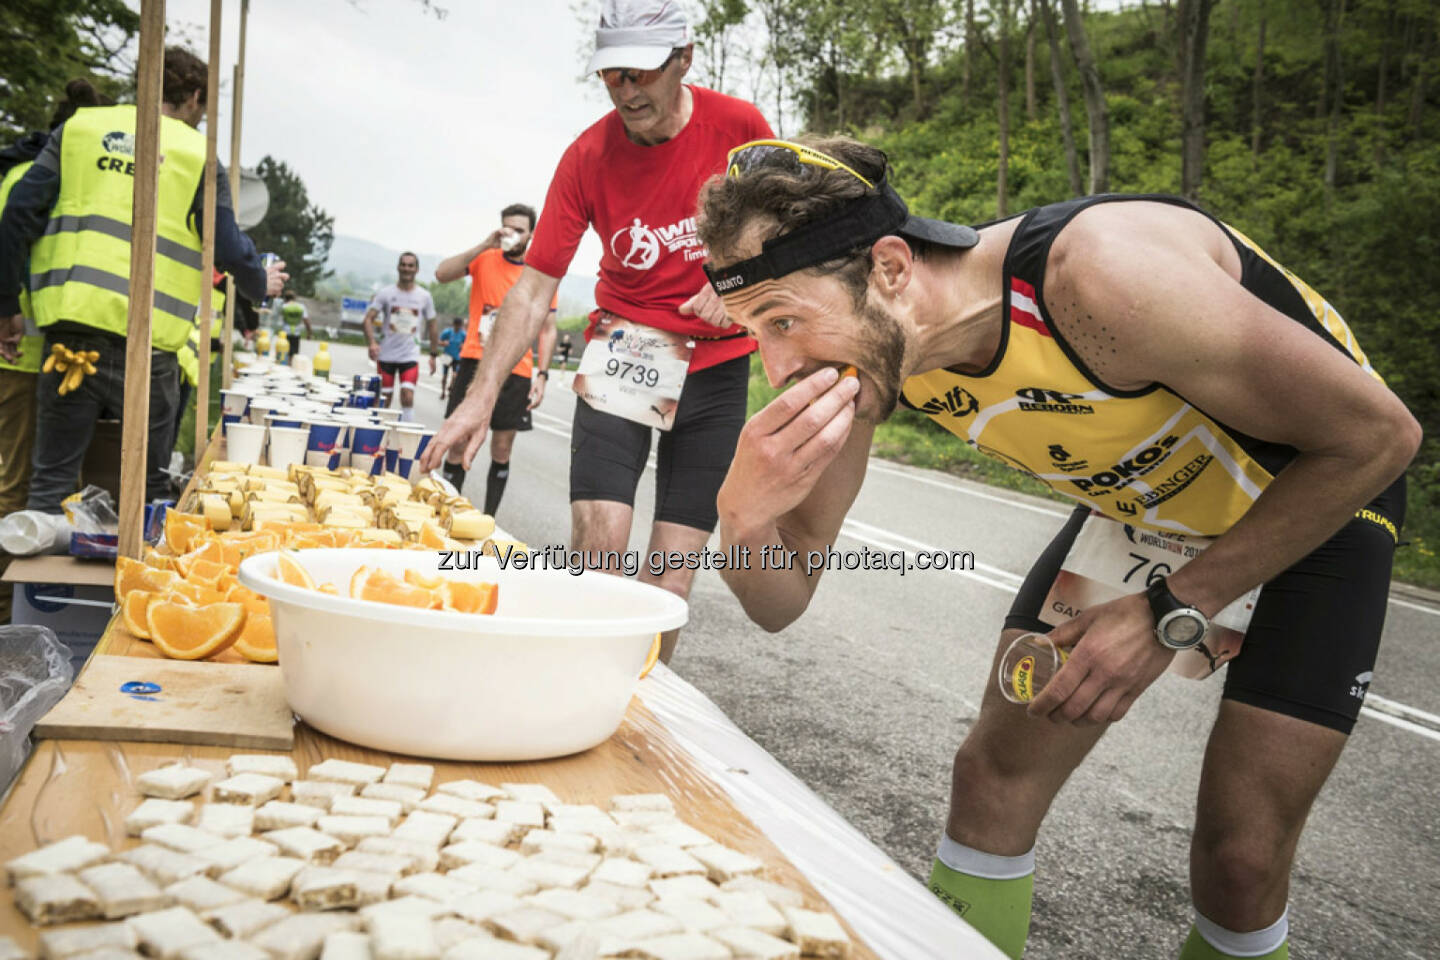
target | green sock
[
  {"x": 1274, "y": 939},
  {"x": 998, "y": 908}
]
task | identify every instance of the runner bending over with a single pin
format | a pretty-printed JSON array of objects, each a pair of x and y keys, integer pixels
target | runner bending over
[{"x": 1195, "y": 388}]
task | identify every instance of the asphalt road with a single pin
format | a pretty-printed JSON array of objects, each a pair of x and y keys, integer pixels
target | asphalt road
[{"x": 866, "y": 697}]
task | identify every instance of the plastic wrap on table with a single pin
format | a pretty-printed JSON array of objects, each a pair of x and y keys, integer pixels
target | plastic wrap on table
[
  {"x": 891, "y": 911},
  {"x": 35, "y": 672}
]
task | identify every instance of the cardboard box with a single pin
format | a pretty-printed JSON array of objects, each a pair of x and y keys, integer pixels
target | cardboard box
[{"x": 75, "y": 598}]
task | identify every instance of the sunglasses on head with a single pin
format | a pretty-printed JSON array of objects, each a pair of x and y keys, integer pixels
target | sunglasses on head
[
  {"x": 615, "y": 76},
  {"x": 782, "y": 153}
]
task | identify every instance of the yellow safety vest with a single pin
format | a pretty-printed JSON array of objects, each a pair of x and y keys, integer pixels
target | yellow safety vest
[
  {"x": 32, "y": 342},
  {"x": 188, "y": 356},
  {"x": 80, "y": 267}
]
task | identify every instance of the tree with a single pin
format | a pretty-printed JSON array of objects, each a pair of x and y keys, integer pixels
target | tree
[
  {"x": 1096, "y": 108},
  {"x": 294, "y": 228},
  {"x": 1002, "y": 186},
  {"x": 44, "y": 44},
  {"x": 1193, "y": 20},
  {"x": 1062, "y": 100},
  {"x": 451, "y": 299},
  {"x": 714, "y": 37}
]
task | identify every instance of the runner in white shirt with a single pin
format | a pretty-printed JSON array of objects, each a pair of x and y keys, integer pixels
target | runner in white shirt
[{"x": 402, "y": 309}]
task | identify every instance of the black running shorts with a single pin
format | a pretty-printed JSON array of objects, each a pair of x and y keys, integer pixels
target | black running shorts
[
  {"x": 512, "y": 407},
  {"x": 1311, "y": 647},
  {"x": 608, "y": 453}
]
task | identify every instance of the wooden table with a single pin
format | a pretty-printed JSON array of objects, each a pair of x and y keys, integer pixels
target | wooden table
[{"x": 87, "y": 787}]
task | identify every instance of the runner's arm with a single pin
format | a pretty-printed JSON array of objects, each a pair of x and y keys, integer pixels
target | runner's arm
[
  {"x": 368, "y": 324},
  {"x": 548, "y": 336},
  {"x": 455, "y": 268},
  {"x": 1185, "y": 322},
  {"x": 797, "y": 469}
]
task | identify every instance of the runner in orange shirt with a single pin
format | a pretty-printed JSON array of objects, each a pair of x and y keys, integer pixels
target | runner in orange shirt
[{"x": 493, "y": 267}]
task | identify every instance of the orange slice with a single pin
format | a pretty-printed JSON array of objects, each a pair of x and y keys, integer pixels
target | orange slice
[
  {"x": 380, "y": 587},
  {"x": 196, "y": 593},
  {"x": 249, "y": 599},
  {"x": 136, "y": 575},
  {"x": 257, "y": 639},
  {"x": 653, "y": 658},
  {"x": 132, "y": 610},
  {"x": 849, "y": 371},
  {"x": 209, "y": 550},
  {"x": 181, "y": 528},
  {"x": 357, "y": 580},
  {"x": 154, "y": 558},
  {"x": 465, "y": 597},
  {"x": 417, "y": 579},
  {"x": 207, "y": 572},
  {"x": 290, "y": 570},
  {"x": 432, "y": 535},
  {"x": 245, "y": 545},
  {"x": 191, "y": 633},
  {"x": 330, "y": 589}
]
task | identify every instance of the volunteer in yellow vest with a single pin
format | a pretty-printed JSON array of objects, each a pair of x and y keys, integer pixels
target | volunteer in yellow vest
[
  {"x": 68, "y": 218},
  {"x": 17, "y": 378},
  {"x": 1123, "y": 350}
]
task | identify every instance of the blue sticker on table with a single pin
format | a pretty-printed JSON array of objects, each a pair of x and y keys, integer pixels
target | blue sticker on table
[{"x": 140, "y": 690}]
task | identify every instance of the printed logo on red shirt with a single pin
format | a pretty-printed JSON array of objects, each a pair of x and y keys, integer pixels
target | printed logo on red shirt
[{"x": 638, "y": 246}]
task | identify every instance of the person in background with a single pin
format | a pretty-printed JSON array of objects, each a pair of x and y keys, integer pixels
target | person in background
[
  {"x": 450, "y": 341},
  {"x": 68, "y": 218},
  {"x": 565, "y": 347},
  {"x": 494, "y": 266},
  {"x": 401, "y": 309},
  {"x": 295, "y": 318},
  {"x": 18, "y": 376},
  {"x": 634, "y": 177}
]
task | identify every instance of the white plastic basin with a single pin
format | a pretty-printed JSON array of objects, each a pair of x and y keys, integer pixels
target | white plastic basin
[{"x": 549, "y": 673}]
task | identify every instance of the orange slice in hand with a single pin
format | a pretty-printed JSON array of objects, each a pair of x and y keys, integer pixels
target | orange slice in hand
[
  {"x": 257, "y": 639},
  {"x": 133, "y": 612},
  {"x": 185, "y": 632},
  {"x": 290, "y": 570},
  {"x": 380, "y": 587},
  {"x": 465, "y": 597},
  {"x": 417, "y": 579}
]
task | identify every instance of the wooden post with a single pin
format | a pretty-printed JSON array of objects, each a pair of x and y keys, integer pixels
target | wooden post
[
  {"x": 207, "y": 240},
  {"x": 237, "y": 104},
  {"x": 135, "y": 431}
]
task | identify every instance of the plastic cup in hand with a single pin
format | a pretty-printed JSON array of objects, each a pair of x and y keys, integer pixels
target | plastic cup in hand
[
  {"x": 287, "y": 445},
  {"x": 245, "y": 442},
  {"x": 509, "y": 239},
  {"x": 1027, "y": 665}
]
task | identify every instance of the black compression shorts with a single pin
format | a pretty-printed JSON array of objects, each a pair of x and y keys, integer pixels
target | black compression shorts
[
  {"x": 512, "y": 407},
  {"x": 1310, "y": 650},
  {"x": 608, "y": 453}
]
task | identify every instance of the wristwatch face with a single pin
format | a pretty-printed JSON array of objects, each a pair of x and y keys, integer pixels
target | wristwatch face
[{"x": 1181, "y": 629}]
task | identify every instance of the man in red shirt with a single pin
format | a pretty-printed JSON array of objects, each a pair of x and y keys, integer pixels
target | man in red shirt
[
  {"x": 661, "y": 352},
  {"x": 494, "y": 266}
]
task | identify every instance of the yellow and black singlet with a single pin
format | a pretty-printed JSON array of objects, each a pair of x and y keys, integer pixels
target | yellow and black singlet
[{"x": 1146, "y": 457}]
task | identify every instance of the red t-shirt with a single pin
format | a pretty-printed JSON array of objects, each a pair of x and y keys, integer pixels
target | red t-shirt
[
  {"x": 492, "y": 274},
  {"x": 642, "y": 203}
]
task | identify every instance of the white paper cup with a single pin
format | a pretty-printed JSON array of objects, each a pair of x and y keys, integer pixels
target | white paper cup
[
  {"x": 364, "y": 462},
  {"x": 287, "y": 445},
  {"x": 388, "y": 415},
  {"x": 245, "y": 442},
  {"x": 260, "y": 406}
]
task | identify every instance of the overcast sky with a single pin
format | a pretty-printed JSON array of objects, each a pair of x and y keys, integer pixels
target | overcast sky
[{"x": 410, "y": 131}]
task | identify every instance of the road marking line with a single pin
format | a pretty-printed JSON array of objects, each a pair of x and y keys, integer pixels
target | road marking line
[
  {"x": 1408, "y": 605},
  {"x": 1401, "y": 723},
  {"x": 1403, "y": 711},
  {"x": 881, "y": 466}
]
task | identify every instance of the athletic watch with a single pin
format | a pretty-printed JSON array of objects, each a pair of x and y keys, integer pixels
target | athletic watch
[
  {"x": 1178, "y": 626},
  {"x": 543, "y": 374}
]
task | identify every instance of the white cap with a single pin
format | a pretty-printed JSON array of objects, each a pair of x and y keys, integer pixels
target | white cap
[{"x": 638, "y": 34}]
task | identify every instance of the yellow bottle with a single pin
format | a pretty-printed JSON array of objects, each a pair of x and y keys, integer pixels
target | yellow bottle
[
  {"x": 262, "y": 341},
  {"x": 282, "y": 348},
  {"x": 322, "y": 360}
]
